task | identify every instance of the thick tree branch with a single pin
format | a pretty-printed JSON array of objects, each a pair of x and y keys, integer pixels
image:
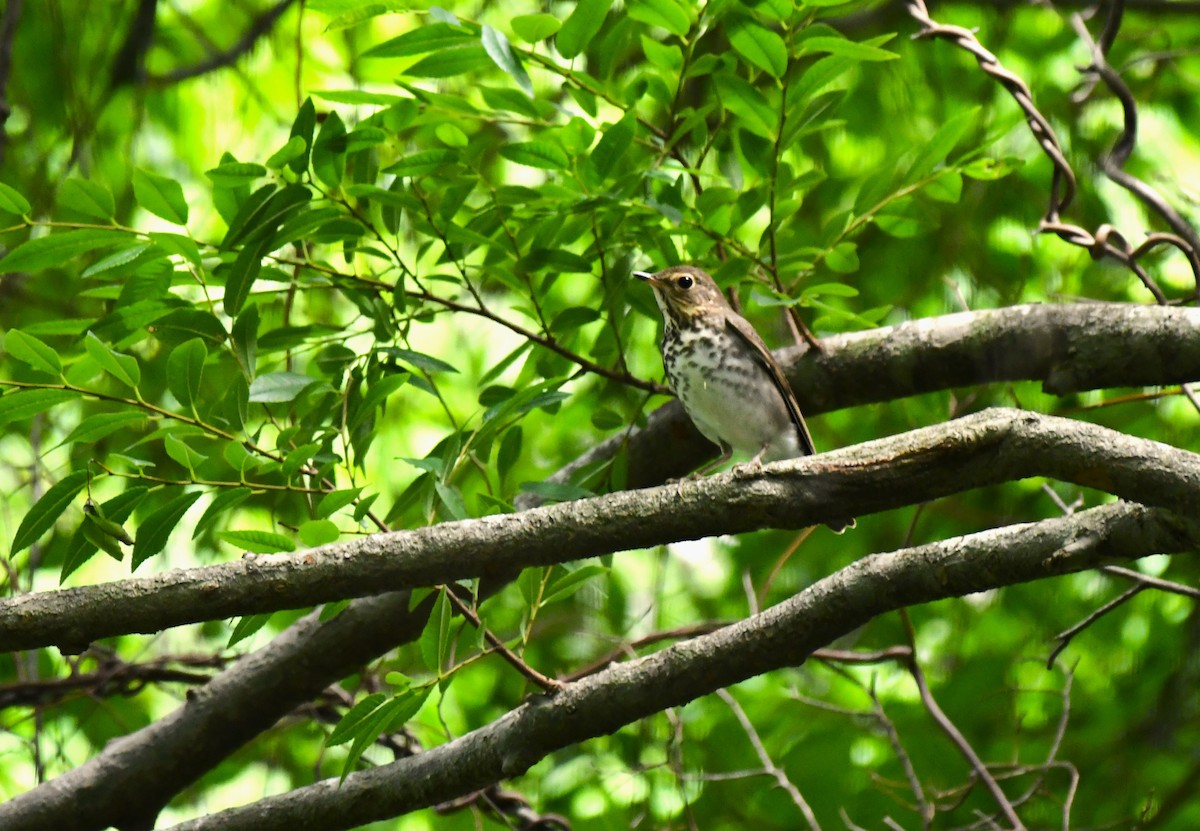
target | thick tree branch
[
  {"x": 784, "y": 635},
  {"x": 128, "y": 783},
  {"x": 987, "y": 448},
  {"x": 1069, "y": 348}
]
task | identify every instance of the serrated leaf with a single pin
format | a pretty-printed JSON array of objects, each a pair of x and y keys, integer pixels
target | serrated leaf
[
  {"x": 55, "y": 249},
  {"x": 117, "y": 364},
  {"x": 161, "y": 196},
  {"x": 179, "y": 245},
  {"x": 501, "y": 52},
  {"x": 532, "y": 28},
  {"x": 185, "y": 369},
  {"x": 22, "y": 404},
  {"x": 277, "y": 387},
  {"x": 32, "y": 351},
  {"x": 224, "y": 503},
  {"x": 259, "y": 542},
  {"x": 760, "y": 46},
  {"x": 12, "y": 201},
  {"x": 48, "y": 509},
  {"x": 155, "y": 530},
  {"x": 94, "y": 428},
  {"x": 429, "y": 38},
  {"x": 581, "y": 26},
  {"x": 538, "y": 154},
  {"x": 87, "y": 197}
]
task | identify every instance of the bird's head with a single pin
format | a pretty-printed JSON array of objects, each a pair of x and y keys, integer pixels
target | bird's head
[{"x": 684, "y": 292}]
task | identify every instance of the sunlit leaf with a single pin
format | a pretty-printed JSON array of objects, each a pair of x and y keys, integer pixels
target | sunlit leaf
[
  {"x": 48, "y": 509},
  {"x": 161, "y": 196},
  {"x": 32, "y": 351},
  {"x": 55, "y": 249}
]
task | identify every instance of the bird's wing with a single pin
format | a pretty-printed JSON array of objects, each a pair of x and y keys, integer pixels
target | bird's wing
[{"x": 741, "y": 328}]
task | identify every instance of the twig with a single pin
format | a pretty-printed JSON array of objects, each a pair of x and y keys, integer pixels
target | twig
[
  {"x": 953, "y": 733},
  {"x": 769, "y": 766},
  {"x": 529, "y": 673},
  {"x": 1064, "y": 638},
  {"x": 8, "y": 31},
  {"x": 258, "y": 28}
]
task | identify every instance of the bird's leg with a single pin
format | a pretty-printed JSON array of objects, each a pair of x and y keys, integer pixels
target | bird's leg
[
  {"x": 726, "y": 455},
  {"x": 754, "y": 465}
]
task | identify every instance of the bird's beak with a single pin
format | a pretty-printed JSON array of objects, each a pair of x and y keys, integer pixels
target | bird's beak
[{"x": 645, "y": 276}]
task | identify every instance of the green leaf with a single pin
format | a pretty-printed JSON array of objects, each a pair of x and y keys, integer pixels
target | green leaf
[
  {"x": 385, "y": 719},
  {"x": 757, "y": 44},
  {"x": 94, "y": 428},
  {"x": 291, "y": 151},
  {"x": 452, "y": 500},
  {"x": 581, "y": 26},
  {"x": 155, "y": 530},
  {"x": 843, "y": 258},
  {"x": 259, "y": 542},
  {"x": 666, "y": 14},
  {"x": 245, "y": 340},
  {"x": 329, "y": 152},
  {"x": 55, "y": 249},
  {"x": 847, "y": 48},
  {"x": 277, "y": 387},
  {"x": 179, "y": 245},
  {"x": 538, "y": 154},
  {"x": 32, "y": 351},
  {"x": 185, "y": 368},
  {"x": 415, "y": 164},
  {"x": 451, "y": 62},
  {"x": 318, "y": 532},
  {"x": 946, "y": 188},
  {"x": 419, "y": 359},
  {"x": 48, "y": 509},
  {"x": 242, "y": 274},
  {"x": 161, "y": 196},
  {"x": 334, "y": 501},
  {"x": 84, "y": 544},
  {"x": 22, "y": 404},
  {"x": 224, "y": 503},
  {"x": 247, "y": 626},
  {"x": 12, "y": 201},
  {"x": 351, "y": 723},
  {"x": 120, "y": 366},
  {"x": 556, "y": 491},
  {"x": 534, "y": 27},
  {"x": 179, "y": 450},
  {"x": 746, "y": 102},
  {"x": 616, "y": 140},
  {"x": 87, "y": 197},
  {"x": 432, "y": 37},
  {"x": 569, "y": 583},
  {"x": 235, "y": 174},
  {"x": 501, "y": 51},
  {"x": 434, "y": 642},
  {"x": 943, "y": 141},
  {"x": 302, "y": 128}
]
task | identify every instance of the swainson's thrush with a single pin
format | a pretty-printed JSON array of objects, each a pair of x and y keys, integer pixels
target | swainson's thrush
[
  {"x": 731, "y": 386},
  {"x": 726, "y": 378}
]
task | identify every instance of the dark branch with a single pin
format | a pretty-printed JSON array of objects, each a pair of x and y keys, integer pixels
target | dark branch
[{"x": 258, "y": 28}]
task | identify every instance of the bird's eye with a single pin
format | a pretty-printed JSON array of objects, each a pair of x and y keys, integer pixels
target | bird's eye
[{"x": 685, "y": 282}]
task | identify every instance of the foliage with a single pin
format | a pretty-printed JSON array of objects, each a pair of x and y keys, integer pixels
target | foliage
[{"x": 233, "y": 324}]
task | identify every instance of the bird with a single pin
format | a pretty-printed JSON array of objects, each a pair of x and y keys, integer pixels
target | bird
[{"x": 724, "y": 375}]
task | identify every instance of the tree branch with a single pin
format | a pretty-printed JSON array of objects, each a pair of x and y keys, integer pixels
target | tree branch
[
  {"x": 1069, "y": 348},
  {"x": 987, "y": 448},
  {"x": 258, "y": 28},
  {"x": 784, "y": 635}
]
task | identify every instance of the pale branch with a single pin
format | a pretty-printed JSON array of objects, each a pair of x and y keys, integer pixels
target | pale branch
[
  {"x": 1069, "y": 348},
  {"x": 988, "y": 448},
  {"x": 784, "y": 635}
]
